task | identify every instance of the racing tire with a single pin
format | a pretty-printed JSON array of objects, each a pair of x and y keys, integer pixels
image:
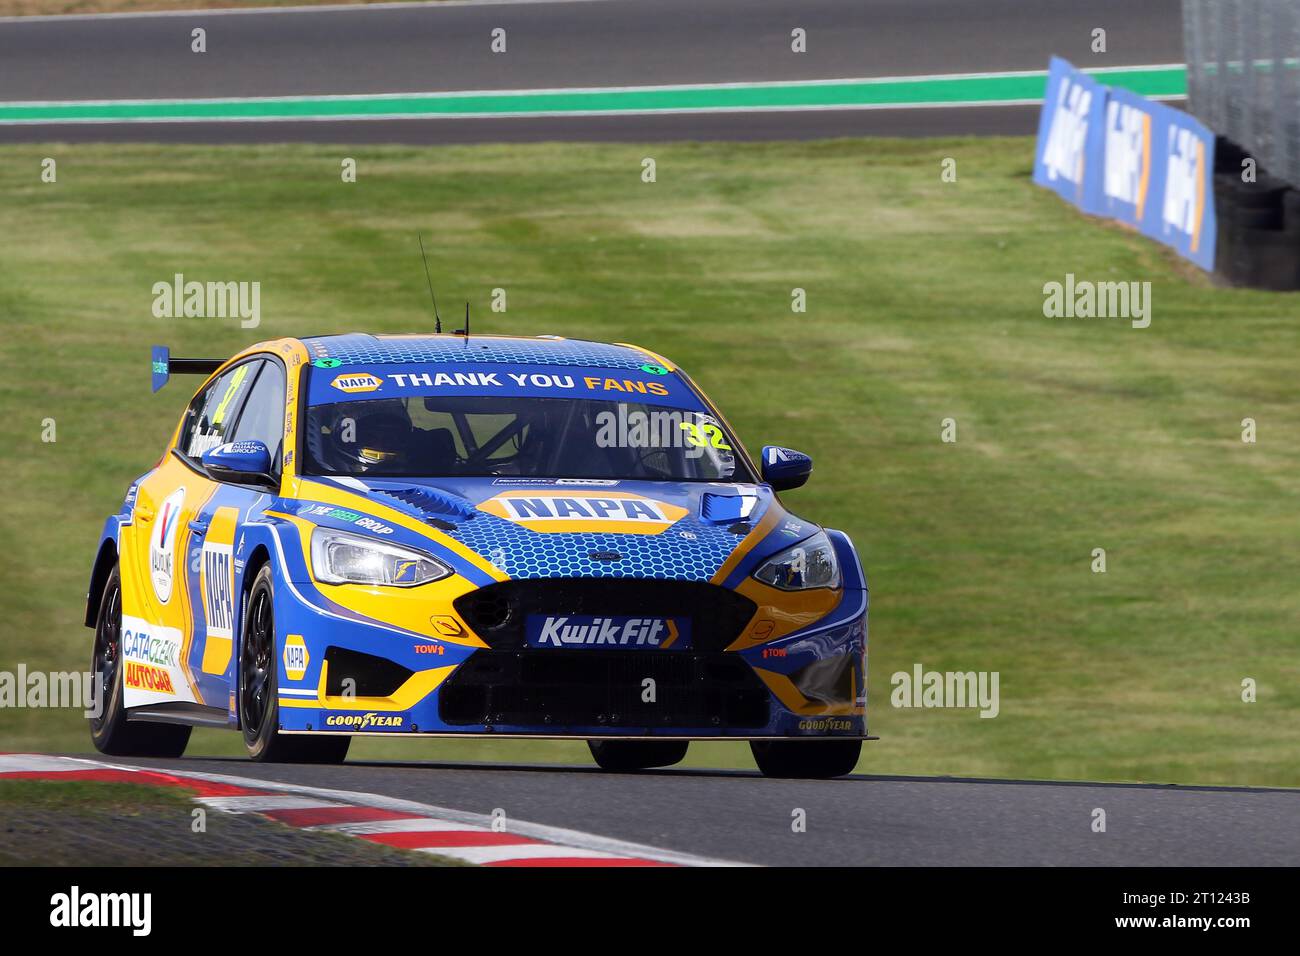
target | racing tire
[
  {"x": 806, "y": 759},
  {"x": 637, "y": 754},
  {"x": 259, "y": 699},
  {"x": 111, "y": 732}
]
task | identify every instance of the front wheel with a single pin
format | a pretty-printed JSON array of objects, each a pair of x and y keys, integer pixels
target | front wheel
[
  {"x": 637, "y": 754},
  {"x": 259, "y": 704},
  {"x": 806, "y": 759},
  {"x": 110, "y": 731}
]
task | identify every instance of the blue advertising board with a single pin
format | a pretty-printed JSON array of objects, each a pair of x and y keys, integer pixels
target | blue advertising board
[
  {"x": 1159, "y": 174},
  {"x": 1070, "y": 140},
  {"x": 1116, "y": 154}
]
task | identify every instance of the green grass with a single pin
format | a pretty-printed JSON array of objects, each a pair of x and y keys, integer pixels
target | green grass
[{"x": 924, "y": 302}]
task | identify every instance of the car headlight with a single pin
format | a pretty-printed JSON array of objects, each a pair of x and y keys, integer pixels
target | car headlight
[
  {"x": 809, "y": 564},
  {"x": 338, "y": 557}
]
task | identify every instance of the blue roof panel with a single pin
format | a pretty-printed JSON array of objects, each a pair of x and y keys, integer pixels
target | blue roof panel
[{"x": 455, "y": 349}]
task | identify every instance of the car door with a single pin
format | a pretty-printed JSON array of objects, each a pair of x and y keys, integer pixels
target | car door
[
  {"x": 160, "y": 551},
  {"x": 216, "y": 526}
]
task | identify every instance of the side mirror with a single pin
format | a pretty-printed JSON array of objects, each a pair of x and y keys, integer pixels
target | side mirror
[
  {"x": 785, "y": 468},
  {"x": 243, "y": 462}
]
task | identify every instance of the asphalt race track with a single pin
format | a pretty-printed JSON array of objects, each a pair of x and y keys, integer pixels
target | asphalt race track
[
  {"x": 861, "y": 820},
  {"x": 563, "y": 44}
]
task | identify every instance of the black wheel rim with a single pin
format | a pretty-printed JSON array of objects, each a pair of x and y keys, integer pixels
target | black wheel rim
[
  {"x": 255, "y": 663},
  {"x": 108, "y": 643}
]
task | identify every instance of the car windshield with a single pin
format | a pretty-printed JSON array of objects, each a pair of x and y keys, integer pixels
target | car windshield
[{"x": 435, "y": 436}]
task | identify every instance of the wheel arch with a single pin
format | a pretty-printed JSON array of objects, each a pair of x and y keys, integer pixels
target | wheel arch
[
  {"x": 103, "y": 567},
  {"x": 258, "y": 558}
]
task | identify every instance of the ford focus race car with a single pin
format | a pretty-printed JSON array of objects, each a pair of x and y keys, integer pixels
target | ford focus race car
[{"x": 492, "y": 536}]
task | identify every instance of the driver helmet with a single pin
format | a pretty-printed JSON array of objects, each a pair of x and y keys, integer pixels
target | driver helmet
[{"x": 379, "y": 437}]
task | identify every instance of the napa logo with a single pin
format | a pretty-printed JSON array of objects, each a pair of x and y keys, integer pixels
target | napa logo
[
  {"x": 296, "y": 658},
  {"x": 1128, "y": 155},
  {"x": 162, "y": 545},
  {"x": 216, "y": 583},
  {"x": 1063, "y": 155},
  {"x": 612, "y": 511},
  {"x": 357, "y": 382}
]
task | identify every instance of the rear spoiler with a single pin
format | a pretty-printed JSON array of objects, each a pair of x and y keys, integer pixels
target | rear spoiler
[{"x": 164, "y": 366}]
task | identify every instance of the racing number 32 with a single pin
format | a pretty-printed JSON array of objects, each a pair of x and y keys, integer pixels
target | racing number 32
[{"x": 696, "y": 435}]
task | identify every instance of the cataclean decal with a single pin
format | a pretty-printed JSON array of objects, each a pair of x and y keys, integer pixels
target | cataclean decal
[
  {"x": 140, "y": 646},
  {"x": 151, "y": 663}
]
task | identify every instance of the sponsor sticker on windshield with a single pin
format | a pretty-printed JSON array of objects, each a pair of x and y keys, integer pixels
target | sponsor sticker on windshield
[{"x": 648, "y": 385}]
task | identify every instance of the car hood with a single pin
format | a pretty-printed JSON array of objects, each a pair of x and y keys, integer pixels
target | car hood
[{"x": 530, "y": 528}]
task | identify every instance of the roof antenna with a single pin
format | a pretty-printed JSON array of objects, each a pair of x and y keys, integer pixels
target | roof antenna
[
  {"x": 465, "y": 330},
  {"x": 437, "y": 319}
]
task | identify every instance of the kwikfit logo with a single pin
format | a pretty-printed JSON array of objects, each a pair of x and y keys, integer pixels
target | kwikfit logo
[{"x": 580, "y": 630}]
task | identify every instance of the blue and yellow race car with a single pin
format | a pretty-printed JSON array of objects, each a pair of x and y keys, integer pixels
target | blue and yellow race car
[{"x": 446, "y": 535}]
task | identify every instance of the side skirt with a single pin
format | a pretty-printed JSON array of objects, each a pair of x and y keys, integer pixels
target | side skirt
[{"x": 181, "y": 712}]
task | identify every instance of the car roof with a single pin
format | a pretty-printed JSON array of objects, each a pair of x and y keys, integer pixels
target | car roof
[{"x": 360, "y": 348}]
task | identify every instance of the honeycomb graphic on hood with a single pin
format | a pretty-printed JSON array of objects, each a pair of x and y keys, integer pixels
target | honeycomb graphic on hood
[{"x": 669, "y": 555}]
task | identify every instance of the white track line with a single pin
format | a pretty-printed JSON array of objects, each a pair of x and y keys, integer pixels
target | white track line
[
  {"x": 420, "y": 825},
  {"x": 262, "y": 804},
  {"x": 518, "y": 851},
  {"x": 39, "y": 763}
]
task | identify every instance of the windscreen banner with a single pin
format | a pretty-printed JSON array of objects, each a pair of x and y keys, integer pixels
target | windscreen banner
[
  {"x": 1116, "y": 154},
  {"x": 651, "y": 385}
]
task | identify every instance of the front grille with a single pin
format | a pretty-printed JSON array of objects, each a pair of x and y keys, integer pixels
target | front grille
[
  {"x": 589, "y": 688},
  {"x": 497, "y": 613}
]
